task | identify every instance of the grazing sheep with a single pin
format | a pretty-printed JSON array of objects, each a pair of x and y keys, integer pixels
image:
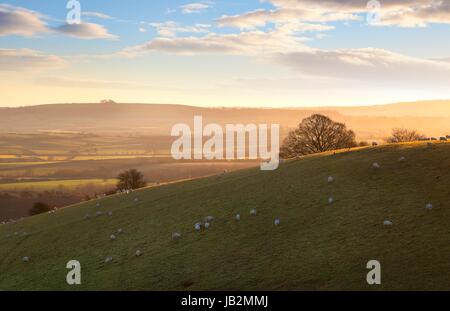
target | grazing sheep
[
  {"x": 97, "y": 205},
  {"x": 136, "y": 199},
  {"x": 198, "y": 226},
  {"x": 238, "y": 217},
  {"x": 25, "y": 259},
  {"x": 112, "y": 237},
  {"x": 429, "y": 207},
  {"x": 376, "y": 165},
  {"x": 138, "y": 253},
  {"x": 209, "y": 219},
  {"x": 110, "y": 213},
  {"x": 387, "y": 223},
  {"x": 402, "y": 159},
  {"x": 330, "y": 179},
  {"x": 330, "y": 200},
  {"x": 207, "y": 225},
  {"x": 176, "y": 236},
  {"x": 99, "y": 213},
  {"x": 108, "y": 259},
  {"x": 120, "y": 230},
  {"x": 253, "y": 212},
  {"x": 277, "y": 222}
]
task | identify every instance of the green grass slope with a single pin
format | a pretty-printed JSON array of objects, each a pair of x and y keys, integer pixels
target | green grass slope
[{"x": 317, "y": 246}]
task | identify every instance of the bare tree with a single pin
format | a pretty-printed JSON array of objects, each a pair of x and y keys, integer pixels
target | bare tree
[
  {"x": 402, "y": 135},
  {"x": 39, "y": 208},
  {"x": 130, "y": 180},
  {"x": 315, "y": 134}
]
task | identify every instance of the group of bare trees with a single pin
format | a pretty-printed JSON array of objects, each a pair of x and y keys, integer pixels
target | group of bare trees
[{"x": 402, "y": 135}]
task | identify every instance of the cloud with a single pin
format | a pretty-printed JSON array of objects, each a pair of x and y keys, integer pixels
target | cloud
[
  {"x": 245, "y": 43},
  {"x": 261, "y": 17},
  {"x": 97, "y": 15},
  {"x": 194, "y": 7},
  {"x": 376, "y": 66},
  {"x": 402, "y": 13},
  {"x": 171, "y": 28},
  {"x": 85, "y": 31},
  {"x": 23, "y": 22},
  {"x": 28, "y": 60}
]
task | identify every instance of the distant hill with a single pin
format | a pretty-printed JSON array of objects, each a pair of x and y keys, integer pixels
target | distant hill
[
  {"x": 318, "y": 246},
  {"x": 372, "y": 122},
  {"x": 437, "y": 108}
]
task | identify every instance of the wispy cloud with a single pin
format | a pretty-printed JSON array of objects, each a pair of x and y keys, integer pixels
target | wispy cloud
[
  {"x": 172, "y": 28},
  {"x": 85, "y": 31},
  {"x": 196, "y": 7},
  {"x": 28, "y": 60},
  {"x": 97, "y": 15}
]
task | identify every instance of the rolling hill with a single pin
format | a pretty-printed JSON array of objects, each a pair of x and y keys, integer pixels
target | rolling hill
[
  {"x": 369, "y": 122},
  {"x": 318, "y": 246}
]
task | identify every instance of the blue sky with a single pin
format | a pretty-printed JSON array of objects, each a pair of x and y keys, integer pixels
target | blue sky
[{"x": 225, "y": 53}]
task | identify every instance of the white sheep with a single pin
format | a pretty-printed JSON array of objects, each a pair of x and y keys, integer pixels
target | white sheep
[
  {"x": 110, "y": 213},
  {"x": 238, "y": 217},
  {"x": 253, "y": 212},
  {"x": 198, "y": 226},
  {"x": 207, "y": 225},
  {"x": 330, "y": 179},
  {"x": 136, "y": 199},
  {"x": 209, "y": 219},
  {"x": 376, "y": 165},
  {"x": 330, "y": 200},
  {"x": 120, "y": 230},
  {"x": 25, "y": 259},
  {"x": 429, "y": 207},
  {"x": 138, "y": 253},
  {"x": 387, "y": 223},
  {"x": 112, "y": 237},
  {"x": 277, "y": 222},
  {"x": 402, "y": 159},
  {"x": 99, "y": 213},
  {"x": 176, "y": 236},
  {"x": 108, "y": 259},
  {"x": 97, "y": 205}
]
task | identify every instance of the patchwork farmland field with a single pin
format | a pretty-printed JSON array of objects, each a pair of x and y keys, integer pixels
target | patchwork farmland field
[{"x": 64, "y": 168}]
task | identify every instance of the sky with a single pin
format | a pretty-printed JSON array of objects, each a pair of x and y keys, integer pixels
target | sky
[{"x": 258, "y": 53}]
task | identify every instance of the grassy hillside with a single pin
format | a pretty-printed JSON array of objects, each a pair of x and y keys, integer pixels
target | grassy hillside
[{"x": 317, "y": 246}]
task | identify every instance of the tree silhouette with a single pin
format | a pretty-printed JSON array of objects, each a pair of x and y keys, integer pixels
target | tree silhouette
[
  {"x": 130, "y": 180},
  {"x": 315, "y": 134}
]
